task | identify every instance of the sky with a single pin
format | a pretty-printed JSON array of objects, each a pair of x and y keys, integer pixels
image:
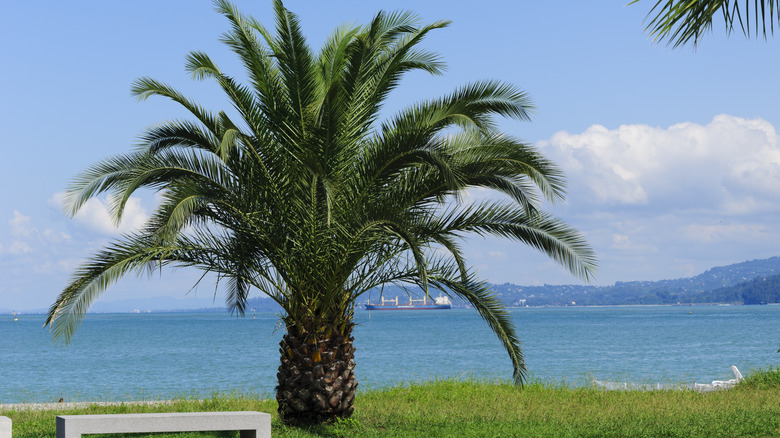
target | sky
[{"x": 672, "y": 157}]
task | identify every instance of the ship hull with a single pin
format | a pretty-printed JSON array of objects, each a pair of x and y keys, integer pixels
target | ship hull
[{"x": 415, "y": 307}]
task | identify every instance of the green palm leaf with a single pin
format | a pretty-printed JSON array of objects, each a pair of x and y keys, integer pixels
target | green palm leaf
[{"x": 680, "y": 21}]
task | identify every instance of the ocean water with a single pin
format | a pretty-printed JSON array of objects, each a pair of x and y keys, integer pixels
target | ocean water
[{"x": 159, "y": 356}]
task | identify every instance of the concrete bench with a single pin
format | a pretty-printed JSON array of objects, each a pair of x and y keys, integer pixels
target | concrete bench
[
  {"x": 251, "y": 424},
  {"x": 5, "y": 427}
]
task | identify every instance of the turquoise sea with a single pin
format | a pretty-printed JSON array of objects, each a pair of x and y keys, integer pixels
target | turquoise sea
[{"x": 159, "y": 356}]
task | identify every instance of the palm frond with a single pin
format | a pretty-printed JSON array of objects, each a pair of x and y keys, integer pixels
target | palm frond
[
  {"x": 541, "y": 231},
  {"x": 102, "y": 270},
  {"x": 682, "y": 21},
  {"x": 296, "y": 67},
  {"x": 491, "y": 309},
  {"x": 179, "y": 134},
  {"x": 144, "y": 87}
]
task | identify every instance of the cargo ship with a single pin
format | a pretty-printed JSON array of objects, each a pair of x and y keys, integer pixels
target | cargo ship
[{"x": 438, "y": 303}]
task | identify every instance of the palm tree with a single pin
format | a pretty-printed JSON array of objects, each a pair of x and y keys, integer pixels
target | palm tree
[
  {"x": 305, "y": 195},
  {"x": 680, "y": 21}
]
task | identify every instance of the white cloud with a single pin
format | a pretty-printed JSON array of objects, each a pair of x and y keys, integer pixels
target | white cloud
[
  {"x": 19, "y": 247},
  {"x": 26, "y": 238},
  {"x": 94, "y": 214},
  {"x": 625, "y": 244},
  {"x": 21, "y": 230},
  {"x": 497, "y": 255},
  {"x": 56, "y": 267},
  {"x": 621, "y": 240},
  {"x": 731, "y": 165},
  {"x": 726, "y": 232},
  {"x": 55, "y": 236},
  {"x": 474, "y": 195},
  {"x": 21, "y": 225},
  {"x": 666, "y": 202}
]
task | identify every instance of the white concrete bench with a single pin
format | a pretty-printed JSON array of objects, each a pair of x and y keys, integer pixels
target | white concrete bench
[
  {"x": 5, "y": 427},
  {"x": 251, "y": 424}
]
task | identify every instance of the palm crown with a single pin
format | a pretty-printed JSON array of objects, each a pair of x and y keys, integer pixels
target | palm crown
[{"x": 311, "y": 199}]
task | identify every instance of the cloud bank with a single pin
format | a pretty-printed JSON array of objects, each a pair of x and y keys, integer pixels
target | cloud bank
[
  {"x": 94, "y": 215},
  {"x": 731, "y": 165},
  {"x": 669, "y": 202}
]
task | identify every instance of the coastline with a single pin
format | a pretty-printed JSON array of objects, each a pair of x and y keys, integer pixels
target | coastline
[
  {"x": 77, "y": 405},
  {"x": 455, "y": 306}
]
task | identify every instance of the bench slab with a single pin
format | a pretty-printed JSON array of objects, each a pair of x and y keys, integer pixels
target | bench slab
[
  {"x": 5, "y": 427},
  {"x": 251, "y": 424}
]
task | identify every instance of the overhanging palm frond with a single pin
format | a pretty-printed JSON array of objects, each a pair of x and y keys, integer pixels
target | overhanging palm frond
[
  {"x": 134, "y": 253},
  {"x": 499, "y": 162},
  {"x": 473, "y": 105},
  {"x": 490, "y": 308},
  {"x": 143, "y": 88},
  {"x": 682, "y": 21}
]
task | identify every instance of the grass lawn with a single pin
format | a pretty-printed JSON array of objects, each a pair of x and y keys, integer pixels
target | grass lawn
[{"x": 483, "y": 409}]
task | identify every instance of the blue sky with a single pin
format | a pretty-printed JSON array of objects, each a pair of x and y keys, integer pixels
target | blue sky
[{"x": 672, "y": 156}]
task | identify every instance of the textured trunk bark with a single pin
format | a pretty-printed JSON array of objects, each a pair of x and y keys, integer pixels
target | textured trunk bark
[{"x": 316, "y": 376}]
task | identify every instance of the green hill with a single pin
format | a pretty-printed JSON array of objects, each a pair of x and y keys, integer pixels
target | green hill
[{"x": 750, "y": 282}]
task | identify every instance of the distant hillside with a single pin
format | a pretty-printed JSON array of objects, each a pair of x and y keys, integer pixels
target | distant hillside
[
  {"x": 158, "y": 304},
  {"x": 761, "y": 290},
  {"x": 751, "y": 282},
  {"x": 262, "y": 305},
  {"x": 698, "y": 289}
]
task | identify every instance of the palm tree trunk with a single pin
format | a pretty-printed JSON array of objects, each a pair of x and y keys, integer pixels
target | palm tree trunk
[{"x": 316, "y": 376}]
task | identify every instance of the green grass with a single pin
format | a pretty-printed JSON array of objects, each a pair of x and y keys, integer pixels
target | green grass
[
  {"x": 769, "y": 378},
  {"x": 496, "y": 409}
]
